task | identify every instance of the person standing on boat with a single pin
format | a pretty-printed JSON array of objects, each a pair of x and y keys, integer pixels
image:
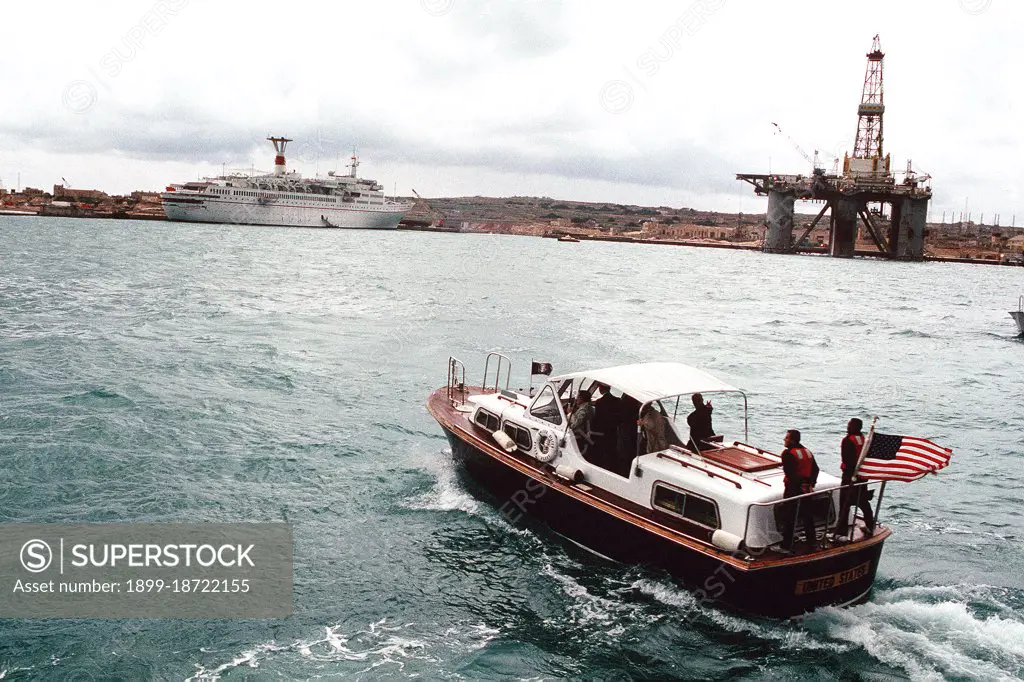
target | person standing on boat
[
  {"x": 606, "y": 424},
  {"x": 580, "y": 422},
  {"x": 801, "y": 473},
  {"x": 652, "y": 424},
  {"x": 850, "y": 450},
  {"x": 699, "y": 421}
]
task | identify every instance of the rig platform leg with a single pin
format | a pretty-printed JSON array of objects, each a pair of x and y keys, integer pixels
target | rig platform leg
[
  {"x": 779, "y": 237},
  {"x": 913, "y": 217},
  {"x": 843, "y": 240}
]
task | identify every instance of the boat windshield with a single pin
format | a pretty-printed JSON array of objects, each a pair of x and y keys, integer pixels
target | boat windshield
[
  {"x": 723, "y": 418},
  {"x": 546, "y": 407}
]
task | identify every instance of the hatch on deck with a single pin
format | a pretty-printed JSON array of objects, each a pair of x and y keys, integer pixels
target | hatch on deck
[{"x": 742, "y": 460}]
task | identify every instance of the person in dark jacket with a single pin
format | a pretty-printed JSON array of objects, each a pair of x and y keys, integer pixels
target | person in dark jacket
[
  {"x": 850, "y": 450},
  {"x": 605, "y": 426},
  {"x": 801, "y": 473},
  {"x": 699, "y": 421},
  {"x": 627, "y": 434}
]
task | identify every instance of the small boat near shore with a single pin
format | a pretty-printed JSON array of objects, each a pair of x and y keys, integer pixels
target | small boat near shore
[
  {"x": 568, "y": 238},
  {"x": 1018, "y": 315},
  {"x": 709, "y": 514}
]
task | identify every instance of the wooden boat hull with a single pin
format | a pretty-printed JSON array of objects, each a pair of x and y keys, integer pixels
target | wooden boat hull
[{"x": 776, "y": 588}]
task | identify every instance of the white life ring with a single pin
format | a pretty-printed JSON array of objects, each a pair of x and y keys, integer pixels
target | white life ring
[{"x": 547, "y": 445}]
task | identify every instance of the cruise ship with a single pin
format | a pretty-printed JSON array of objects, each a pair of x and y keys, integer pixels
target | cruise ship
[{"x": 286, "y": 198}]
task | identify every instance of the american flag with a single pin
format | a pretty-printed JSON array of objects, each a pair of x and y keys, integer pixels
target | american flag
[{"x": 902, "y": 458}]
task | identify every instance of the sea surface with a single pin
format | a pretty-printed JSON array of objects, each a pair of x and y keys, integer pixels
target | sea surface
[{"x": 164, "y": 372}]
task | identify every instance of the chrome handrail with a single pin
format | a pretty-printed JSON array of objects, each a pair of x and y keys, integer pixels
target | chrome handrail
[
  {"x": 456, "y": 380},
  {"x": 502, "y": 360},
  {"x": 818, "y": 493},
  {"x": 710, "y": 473},
  {"x": 760, "y": 451}
]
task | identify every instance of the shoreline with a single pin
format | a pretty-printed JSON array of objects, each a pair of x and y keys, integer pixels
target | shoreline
[{"x": 802, "y": 251}]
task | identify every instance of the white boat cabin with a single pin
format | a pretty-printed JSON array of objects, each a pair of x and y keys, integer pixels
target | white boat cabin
[{"x": 724, "y": 488}]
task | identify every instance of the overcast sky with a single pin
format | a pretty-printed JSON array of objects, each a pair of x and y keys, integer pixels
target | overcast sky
[{"x": 646, "y": 102}]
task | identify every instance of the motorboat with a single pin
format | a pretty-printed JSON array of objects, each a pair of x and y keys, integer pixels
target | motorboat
[
  {"x": 1018, "y": 315},
  {"x": 710, "y": 513}
]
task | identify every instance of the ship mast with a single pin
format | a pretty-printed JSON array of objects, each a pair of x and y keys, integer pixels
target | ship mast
[
  {"x": 353, "y": 164},
  {"x": 280, "y": 144}
]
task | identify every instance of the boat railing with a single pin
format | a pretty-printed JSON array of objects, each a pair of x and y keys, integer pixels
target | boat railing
[
  {"x": 456, "y": 381},
  {"x": 788, "y": 509},
  {"x": 501, "y": 361}
]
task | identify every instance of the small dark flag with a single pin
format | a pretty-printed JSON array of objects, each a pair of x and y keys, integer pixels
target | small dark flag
[{"x": 540, "y": 368}]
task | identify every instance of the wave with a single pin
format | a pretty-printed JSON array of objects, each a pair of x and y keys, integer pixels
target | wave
[
  {"x": 447, "y": 494},
  {"x": 591, "y": 610},
  {"x": 913, "y": 334},
  {"x": 931, "y": 632},
  {"x": 782, "y": 631},
  {"x": 98, "y": 394},
  {"x": 13, "y": 669},
  {"x": 379, "y": 644}
]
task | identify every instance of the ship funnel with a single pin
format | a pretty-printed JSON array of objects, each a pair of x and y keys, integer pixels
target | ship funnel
[{"x": 280, "y": 144}]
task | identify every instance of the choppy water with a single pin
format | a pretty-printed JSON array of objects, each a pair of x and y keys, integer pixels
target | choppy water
[{"x": 158, "y": 372}]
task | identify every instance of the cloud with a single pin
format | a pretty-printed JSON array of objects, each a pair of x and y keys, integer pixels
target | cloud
[
  {"x": 515, "y": 92},
  {"x": 560, "y": 146}
]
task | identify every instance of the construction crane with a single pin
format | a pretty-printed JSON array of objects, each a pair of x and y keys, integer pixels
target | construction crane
[
  {"x": 816, "y": 169},
  {"x": 912, "y": 177},
  {"x": 441, "y": 220}
]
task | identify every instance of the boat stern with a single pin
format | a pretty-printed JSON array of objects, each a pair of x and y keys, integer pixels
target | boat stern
[{"x": 794, "y": 586}]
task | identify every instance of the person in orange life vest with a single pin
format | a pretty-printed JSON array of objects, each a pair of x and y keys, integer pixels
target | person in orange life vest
[
  {"x": 850, "y": 450},
  {"x": 801, "y": 474}
]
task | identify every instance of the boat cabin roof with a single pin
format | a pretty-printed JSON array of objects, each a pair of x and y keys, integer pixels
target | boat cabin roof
[{"x": 648, "y": 381}]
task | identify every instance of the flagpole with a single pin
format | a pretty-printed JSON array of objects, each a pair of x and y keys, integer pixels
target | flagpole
[
  {"x": 864, "y": 449},
  {"x": 531, "y": 378}
]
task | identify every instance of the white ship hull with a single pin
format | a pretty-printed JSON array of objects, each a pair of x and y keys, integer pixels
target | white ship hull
[{"x": 215, "y": 210}]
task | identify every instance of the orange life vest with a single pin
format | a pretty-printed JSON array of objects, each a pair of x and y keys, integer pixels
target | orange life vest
[
  {"x": 804, "y": 465},
  {"x": 858, "y": 441}
]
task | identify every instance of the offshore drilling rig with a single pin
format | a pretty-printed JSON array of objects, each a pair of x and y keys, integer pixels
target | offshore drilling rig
[{"x": 865, "y": 194}]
